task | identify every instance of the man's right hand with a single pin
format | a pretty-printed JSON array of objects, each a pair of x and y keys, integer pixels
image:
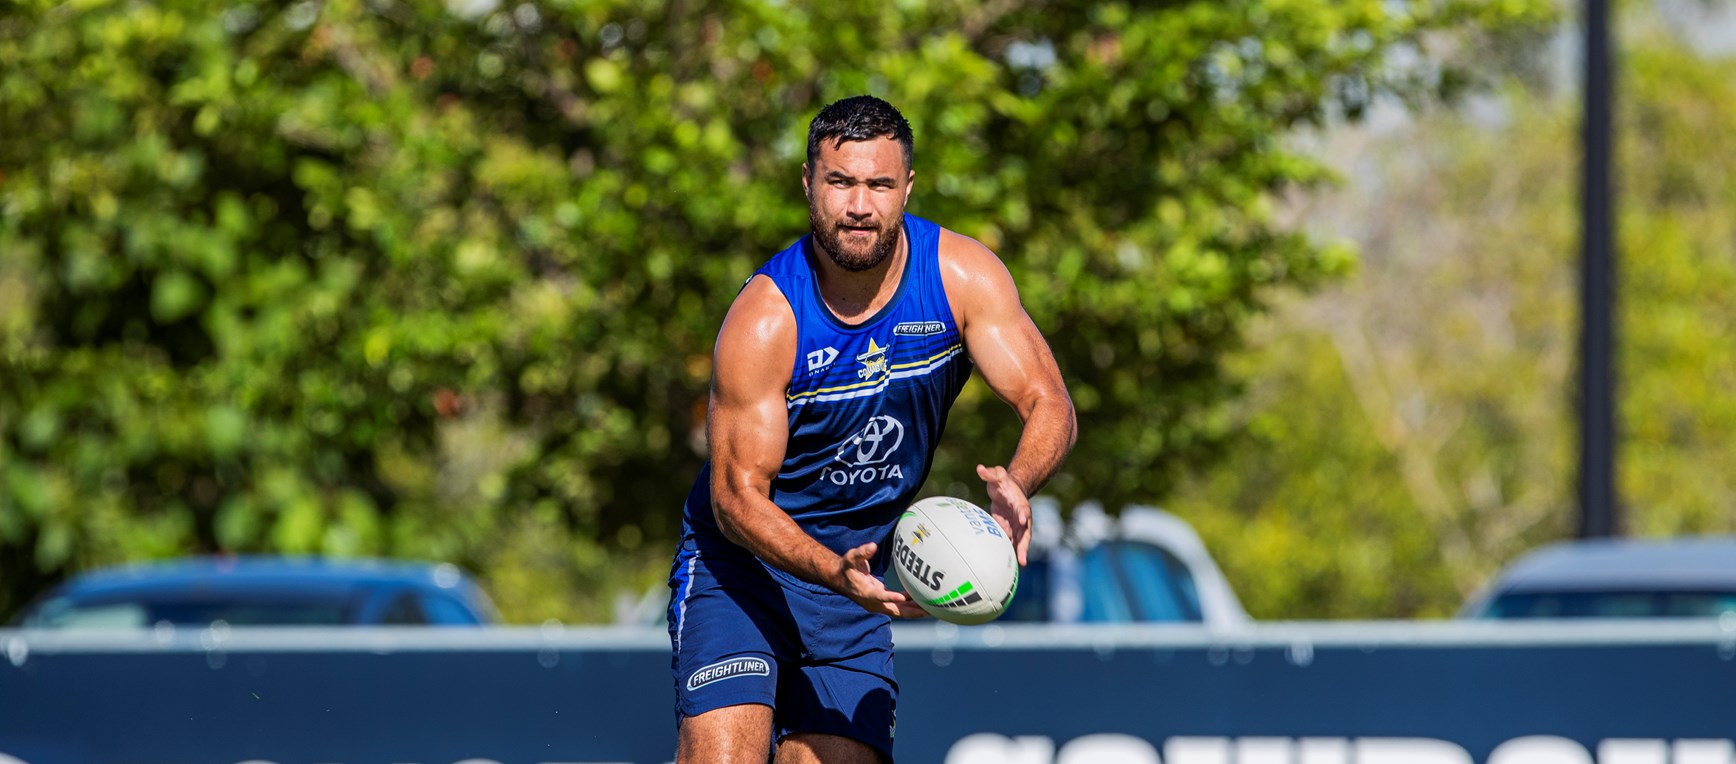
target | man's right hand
[{"x": 857, "y": 582}]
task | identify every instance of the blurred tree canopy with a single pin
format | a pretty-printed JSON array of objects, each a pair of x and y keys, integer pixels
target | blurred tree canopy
[
  {"x": 441, "y": 280},
  {"x": 1420, "y": 415}
]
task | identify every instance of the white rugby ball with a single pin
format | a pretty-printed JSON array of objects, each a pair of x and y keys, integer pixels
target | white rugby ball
[{"x": 955, "y": 561}]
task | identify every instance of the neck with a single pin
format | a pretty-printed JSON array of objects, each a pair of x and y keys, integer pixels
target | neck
[{"x": 855, "y": 296}]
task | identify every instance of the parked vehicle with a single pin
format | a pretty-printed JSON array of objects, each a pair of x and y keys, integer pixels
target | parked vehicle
[
  {"x": 1144, "y": 566},
  {"x": 1615, "y": 578},
  {"x": 264, "y": 591}
]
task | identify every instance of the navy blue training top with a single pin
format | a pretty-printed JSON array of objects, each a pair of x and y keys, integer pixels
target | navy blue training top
[{"x": 867, "y": 402}]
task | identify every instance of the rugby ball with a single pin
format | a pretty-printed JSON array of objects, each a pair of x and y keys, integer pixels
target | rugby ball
[{"x": 954, "y": 560}]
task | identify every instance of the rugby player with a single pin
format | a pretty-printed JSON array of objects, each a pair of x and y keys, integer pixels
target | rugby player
[{"x": 834, "y": 372}]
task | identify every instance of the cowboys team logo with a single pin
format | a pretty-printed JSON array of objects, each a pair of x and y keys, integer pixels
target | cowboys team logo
[{"x": 873, "y": 361}]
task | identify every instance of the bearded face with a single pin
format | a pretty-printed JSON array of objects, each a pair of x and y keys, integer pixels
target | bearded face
[
  {"x": 856, "y": 196},
  {"x": 855, "y": 245}
]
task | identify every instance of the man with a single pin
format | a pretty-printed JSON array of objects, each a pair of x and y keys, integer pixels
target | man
[{"x": 835, "y": 369}]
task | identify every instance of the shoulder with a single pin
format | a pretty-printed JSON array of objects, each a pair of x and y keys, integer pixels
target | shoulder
[
  {"x": 963, "y": 256},
  {"x": 972, "y": 274},
  {"x": 760, "y": 325}
]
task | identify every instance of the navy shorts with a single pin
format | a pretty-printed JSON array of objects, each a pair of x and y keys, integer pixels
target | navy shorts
[{"x": 743, "y": 633}]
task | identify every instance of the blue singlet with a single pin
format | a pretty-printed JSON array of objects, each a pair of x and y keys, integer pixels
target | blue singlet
[{"x": 867, "y": 403}]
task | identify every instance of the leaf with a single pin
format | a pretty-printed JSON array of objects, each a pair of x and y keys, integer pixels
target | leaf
[{"x": 175, "y": 295}]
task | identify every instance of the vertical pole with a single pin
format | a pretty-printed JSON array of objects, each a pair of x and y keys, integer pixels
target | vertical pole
[{"x": 1597, "y": 494}]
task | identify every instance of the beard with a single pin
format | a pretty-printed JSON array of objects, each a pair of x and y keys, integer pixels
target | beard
[{"x": 852, "y": 255}]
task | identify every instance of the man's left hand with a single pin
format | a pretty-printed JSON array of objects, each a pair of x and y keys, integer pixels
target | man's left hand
[{"x": 1009, "y": 506}]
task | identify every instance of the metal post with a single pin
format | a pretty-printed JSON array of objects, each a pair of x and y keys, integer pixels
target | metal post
[{"x": 1597, "y": 479}]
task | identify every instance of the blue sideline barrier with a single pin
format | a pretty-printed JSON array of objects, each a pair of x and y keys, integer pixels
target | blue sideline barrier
[{"x": 1354, "y": 693}]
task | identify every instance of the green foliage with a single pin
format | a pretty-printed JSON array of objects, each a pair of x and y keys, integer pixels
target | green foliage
[
  {"x": 1678, "y": 295},
  {"x": 1414, "y": 429},
  {"x": 414, "y": 279}
]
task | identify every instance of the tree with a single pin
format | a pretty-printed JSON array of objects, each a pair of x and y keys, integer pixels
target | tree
[
  {"x": 422, "y": 279},
  {"x": 1412, "y": 429}
]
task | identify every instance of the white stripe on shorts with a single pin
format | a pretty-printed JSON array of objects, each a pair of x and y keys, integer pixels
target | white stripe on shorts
[{"x": 681, "y": 614}]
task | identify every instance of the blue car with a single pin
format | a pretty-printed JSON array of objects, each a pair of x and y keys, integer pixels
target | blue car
[
  {"x": 1683, "y": 577},
  {"x": 264, "y": 591}
]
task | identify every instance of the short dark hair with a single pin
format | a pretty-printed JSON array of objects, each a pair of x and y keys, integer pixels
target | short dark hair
[{"x": 860, "y": 118}]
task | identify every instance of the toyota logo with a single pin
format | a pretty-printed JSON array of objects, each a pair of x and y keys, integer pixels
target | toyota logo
[{"x": 874, "y": 444}]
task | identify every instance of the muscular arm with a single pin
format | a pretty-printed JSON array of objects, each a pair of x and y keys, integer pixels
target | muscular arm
[
  {"x": 748, "y": 429},
  {"x": 1018, "y": 365}
]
